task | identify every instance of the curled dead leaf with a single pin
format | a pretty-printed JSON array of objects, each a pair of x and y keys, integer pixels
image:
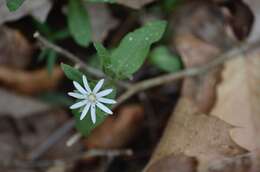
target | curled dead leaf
[
  {"x": 15, "y": 50},
  {"x": 30, "y": 82},
  {"x": 117, "y": 130}
]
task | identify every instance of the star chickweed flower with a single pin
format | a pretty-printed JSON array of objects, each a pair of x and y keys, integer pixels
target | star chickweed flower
[{"x": 90, "y": 99}]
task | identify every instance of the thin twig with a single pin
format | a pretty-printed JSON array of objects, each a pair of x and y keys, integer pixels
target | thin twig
[
  {"x": 153, "y": 82},
  {"x": 75, "y": 59},
  {"x": 163, "y": 79},
  {"x": 52, "y": 139},
  {"x": 69, "y": 55}
]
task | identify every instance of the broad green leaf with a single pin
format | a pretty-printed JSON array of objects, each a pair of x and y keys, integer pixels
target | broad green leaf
[
  {"x": 13, "y": 5},
  {"x": 51, "y": 60},
  {"x": 85, "y": 126},
  {"x": 106, "y": 1},
  {"x": 129, "y": 56},
  {"x": 164, "y": 60},
  {"x": 72, "y": 73},
  {"x": 79, "y": 24},
  {"x": 95, "y": 61},
  {"x": 105, "y": 59}
]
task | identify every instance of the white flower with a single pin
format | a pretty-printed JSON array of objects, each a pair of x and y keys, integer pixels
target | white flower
[{"x": 91, "y": 98}]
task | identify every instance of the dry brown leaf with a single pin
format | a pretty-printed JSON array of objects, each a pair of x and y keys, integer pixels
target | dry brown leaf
[
  {"x": 173, "y": 163},
  {"x": 30, "y": 82},
  {"x": 15, "y": 50},
  {"x": 117, "y": 130},
  {"x": 201, "y": 88},
  {"x": 249, "y": 162},
  {"x": 136, "y": 4},
  {"x": 101, "y": 21},
  {"x": 196, "y": 38},
  {"x": 39, "y": 9},
  {"x": 196, "y": 135},
  {"x": 239, "y": 99}
]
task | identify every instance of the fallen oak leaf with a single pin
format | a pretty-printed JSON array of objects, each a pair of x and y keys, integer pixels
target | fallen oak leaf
[
  {"x": 196, "y": 135},
  {"x": 249, "y": 162},
  {"x": 175, "y": 163},
  {"x": 239, "y": 98},
  {"x": 30, "y": 82},
  {"x": 196, "y": 38}
]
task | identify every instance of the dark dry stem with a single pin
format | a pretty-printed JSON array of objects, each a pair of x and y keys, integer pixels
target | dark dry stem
[
  {"x": 164, "y": 79},
  {"x": 75, "y": 59},
  {"x": 133, "y": 89},
  {"x": 68, "y": 55}
]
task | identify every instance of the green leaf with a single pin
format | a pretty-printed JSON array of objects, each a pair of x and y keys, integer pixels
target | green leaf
[
  {"x": 164, "y": 60},
  {"x": 56, "y": 99},
  {"x": 13, "y": 5},
  {"x": 86, "y": 125},
  {"x": 59, "y": 35},
  {"x": 43, "y": 28},
  {"x": 95, "y": 61},
  {"x": 51, "y": 60},
  {"x": 105, "y": 59},
  {"x": 133, "y": 49},
  {"x": 72, "y": 73},
  {"x": 43, "y": 54},
  {"x": 79, "y": 24},
  {"x": 169, "y": 5},
  {"x": 106, "y": 1}
]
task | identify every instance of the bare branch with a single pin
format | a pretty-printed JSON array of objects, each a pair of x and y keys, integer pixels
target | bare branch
[
  {"x": 164, "y": 79},
  {"x": 68, "y": 55}
]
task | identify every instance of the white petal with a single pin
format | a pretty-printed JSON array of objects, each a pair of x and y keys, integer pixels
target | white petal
[
  {"x": 98, "y": 86},
  {"x": 93, "y": 113},
  {"x": 107, "y": 101},
  {"x": 77, "y": 95},
  {"x": 85, "y": 111},
  {"x": 85, "y": 81},
  {"x": 79, "y": 104},
  {"x": 104, "y": 93},
  {"x": 79, "y": 88},
  {"x": 104, "y": 108}
]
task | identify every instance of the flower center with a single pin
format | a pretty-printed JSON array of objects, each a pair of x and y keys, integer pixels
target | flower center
[{"x": 92, "y": 98}]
